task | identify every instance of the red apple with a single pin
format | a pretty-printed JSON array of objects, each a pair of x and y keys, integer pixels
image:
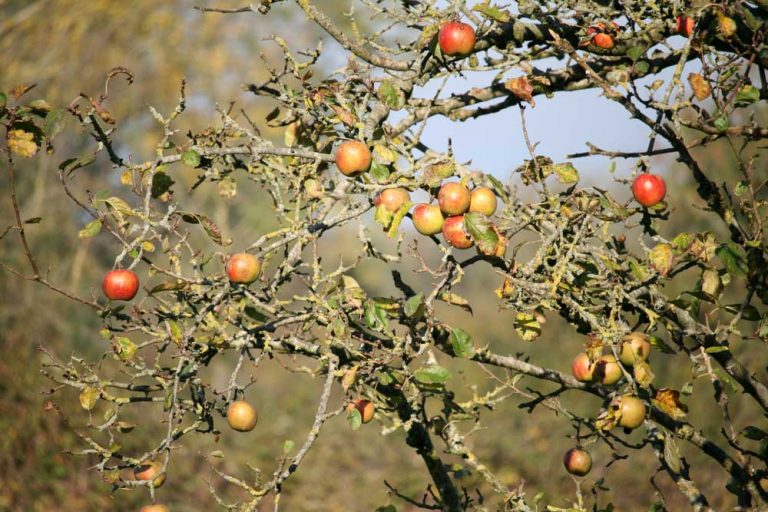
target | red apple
[
  {"x": 150, "y": 471},
  {"x": 455, "y": 234},
  {"x": 353, "y": 157},
  {"x": 456, "y": 38},
  {"x": 607, "y": 370},
  {"x": 120, "y": 284},
  {"x": 243, "y": 268},
  {"x": 427, "y": 219},
  {"x": 454, "y": 198},
  {"x": 632, "y": 411},
  {"x": 582, "y": 368},
  {"x": 392, "y": 198},
  {"x": 604, "y": 41},
  {"x": 577, "y": 461},
  {"x": 241, "y": 416},
  {"x": 483, "y": 200},
  {"x": 634, "y": 348},
  {"x": 365, "y": 408},
  {"x": 684, "y": 26},
  {"x": 155, "y": 508},
  {"x": 649, "y": 189}
]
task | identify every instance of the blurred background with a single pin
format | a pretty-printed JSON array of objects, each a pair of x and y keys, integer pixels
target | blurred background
[{"x": 67, "y": 47}]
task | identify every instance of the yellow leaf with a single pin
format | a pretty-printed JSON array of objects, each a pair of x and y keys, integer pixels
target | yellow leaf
[
  {"x": 88, "y": 397},
  {"x": 126, "y": 178},
  {"x": 700, "y": 86},
  {"x": 22, "y": 143}
]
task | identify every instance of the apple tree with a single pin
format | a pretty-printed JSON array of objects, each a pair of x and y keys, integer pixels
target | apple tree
[{"x": 184, "y": 299}]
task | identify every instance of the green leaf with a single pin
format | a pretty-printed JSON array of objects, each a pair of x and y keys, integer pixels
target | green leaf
[
  {"x": 288, "y": 445},
  {"x": 721, "y": 122},
  {"x": 190, "y": 158},
  {"x": 682, "y": 242},
  {"x": 161, "y": 183},
  {"x": 3, "y": 101},
  {"x": 168, "y": 286},
  {"x": 126, "y": 348},
  {"x": 413, "y": 304},
  {"x": 754, "y": 433},
  {"x": 716, "y": 349},
  {"x": 436, "y": 173},
  {"x": 480, "y": 229},
  {"x": 391, "y": 95},
  {"x": 71, "y": 164},
  {"x": 383, "y": 216},
  {"x": 380, "y": 172},
  {"x": 527, "y": 327},
  {"x": 747, "y": 95},
  {"x": 461, "y": 342},
  {"x": 636, "y": 52},
  {"x": 723, "y": 376},
  {"x": 374, "y": 315},
  {"x": 642, "y": 67},
  {"x": 734, "y": 259},
  {"x": 566, "y": 173},
  {"x": 493, "y": 12},
  {"x": 354, "y": 418},
  {"x": 432, "y": 374},
  {"x": 397, "y": 218},
  {"x": 90, "y": 230},
  {"x": 53, "y": 123}
]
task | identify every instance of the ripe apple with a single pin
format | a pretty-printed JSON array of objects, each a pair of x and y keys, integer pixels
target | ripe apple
[
  {"x": 120, "y": 284},
  {"x": 632, "y": 411},
  {"x": 353, "y": 157},
  {"x": 607, "y": 370},
  {"x": 427, "y": 219},
  {"x": 243, "y": 268},
  {"x": 155, "y": 508},
  {"x": 392, "y": 198},
  {"x": 582, "y": 368},
  {"x": 150, "y": 471},
  {"x": 454, "y": 198},
  {"x": 577, "y": 461},
  {"x": 456, "y": 38},
  {"x": 241, "y": 416},
  {"x": 604, "y": 41},
  {"x": 483, "y": 200},
  {"x": 649, "y": 189},
  {"x": 455, "y": 234},
  {"x": 365, "y": 408},
  {"x": 684, "y": 26},
  {"x": 634, "y": 348}
]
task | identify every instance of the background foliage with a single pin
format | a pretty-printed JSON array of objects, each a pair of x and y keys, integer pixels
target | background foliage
[{"x": 68, "y": 49}]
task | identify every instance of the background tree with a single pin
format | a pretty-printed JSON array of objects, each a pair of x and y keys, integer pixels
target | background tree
[{"x": 588, "y": 264}]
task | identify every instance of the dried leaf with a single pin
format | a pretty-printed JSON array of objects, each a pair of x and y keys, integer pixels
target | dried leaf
[{"x": 521, "y": 88}]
